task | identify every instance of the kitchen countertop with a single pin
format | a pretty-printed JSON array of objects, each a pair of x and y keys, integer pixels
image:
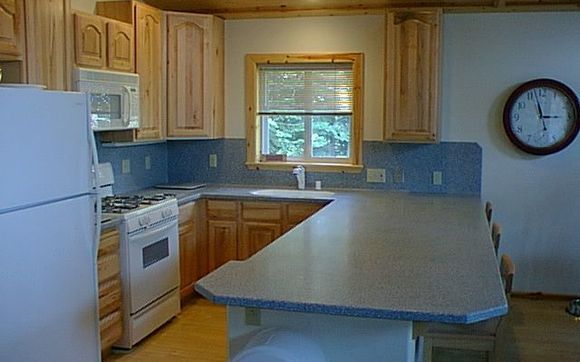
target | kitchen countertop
[{"x": 371, "y": 254}]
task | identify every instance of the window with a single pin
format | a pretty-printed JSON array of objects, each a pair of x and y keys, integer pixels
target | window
[{"x": 304, "y": 110}]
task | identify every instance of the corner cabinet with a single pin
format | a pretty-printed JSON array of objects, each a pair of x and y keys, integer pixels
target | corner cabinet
[
  {"x": 195, "y": 69},
  {"x": 148, "y": 25},
  {"x": 412, "y": 57},
  {"x": 49, "y": 43}
]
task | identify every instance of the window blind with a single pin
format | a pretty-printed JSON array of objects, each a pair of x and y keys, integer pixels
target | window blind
[{"x": 302, "y": 89}]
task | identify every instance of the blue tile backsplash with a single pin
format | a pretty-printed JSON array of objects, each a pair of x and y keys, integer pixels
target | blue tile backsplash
[
  {"x": 188, "y": 161},
  {"x": 140, "y": 177},
  {"x": 460, "y": 164}
]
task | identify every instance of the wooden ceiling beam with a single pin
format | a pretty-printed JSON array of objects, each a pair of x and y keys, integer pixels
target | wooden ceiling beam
[{"x": 241, "y": 10}]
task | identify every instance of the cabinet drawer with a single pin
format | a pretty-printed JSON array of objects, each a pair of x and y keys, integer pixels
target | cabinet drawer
[
  {"x": 109, "y": 297},
  {"x": 266, "y": 211},
  {"x": 111, "y": 328},
  {"x": 187, "y": 213},
  {"x": 109, "y": 243},
  {"x": 297, "y": 212},
  {"x": 108, "y": 267},
  {"x": 221, "y": 209}
]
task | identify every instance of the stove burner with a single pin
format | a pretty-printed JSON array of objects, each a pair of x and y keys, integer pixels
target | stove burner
[{"x": 121, "y": 204}]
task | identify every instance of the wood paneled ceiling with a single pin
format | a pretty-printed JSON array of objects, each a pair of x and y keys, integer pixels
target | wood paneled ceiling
[{"x": 232, "y": 9}]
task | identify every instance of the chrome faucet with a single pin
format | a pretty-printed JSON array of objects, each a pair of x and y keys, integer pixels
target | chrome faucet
[{"x": 300, "y": 174}]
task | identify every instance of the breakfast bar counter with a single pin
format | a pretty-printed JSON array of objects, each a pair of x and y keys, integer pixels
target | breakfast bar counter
[{"x": 371, "y": 255}]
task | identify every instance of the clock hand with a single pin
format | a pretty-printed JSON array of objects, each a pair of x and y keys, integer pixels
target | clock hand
[
  {"x": 551, "y": 117},
  {"x": 538, "y": 104},
  {"x": 544, "y": 124}
]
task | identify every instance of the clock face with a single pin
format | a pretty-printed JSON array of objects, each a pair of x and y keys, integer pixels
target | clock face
[{"x": 541, "y": 116}]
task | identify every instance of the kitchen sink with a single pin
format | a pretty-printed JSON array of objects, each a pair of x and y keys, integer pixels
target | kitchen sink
[{"x": 293, "y": 194}]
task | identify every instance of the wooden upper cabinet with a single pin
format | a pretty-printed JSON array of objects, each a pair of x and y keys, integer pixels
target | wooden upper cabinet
[
  {"x": 103, "y": 43},
  {"x": 90, "y": 41},
  {"x": 195, "y": 84},
  {"x": 120, "y": 50},
  {"x": 413, "y": 40},
  {"x": 49, "y": 43},
  {"x": 11, "y": 29},
  {"x": 148, "y": 29}
]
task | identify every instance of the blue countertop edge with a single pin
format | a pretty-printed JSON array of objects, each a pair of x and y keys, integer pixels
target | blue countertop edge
[{"x": 353, "y": 311}]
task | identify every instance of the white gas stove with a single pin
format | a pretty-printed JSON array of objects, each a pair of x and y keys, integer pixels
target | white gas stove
[{"x": 149, "y": 248}]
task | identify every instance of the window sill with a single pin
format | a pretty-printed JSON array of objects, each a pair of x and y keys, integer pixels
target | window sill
[{"x": 315, "y": 167}]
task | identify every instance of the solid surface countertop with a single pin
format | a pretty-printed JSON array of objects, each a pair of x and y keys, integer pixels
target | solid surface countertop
[{"x": 371, "y": 254}]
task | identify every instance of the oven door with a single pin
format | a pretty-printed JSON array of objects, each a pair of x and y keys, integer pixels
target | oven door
[{"x": 153, "y": 264}]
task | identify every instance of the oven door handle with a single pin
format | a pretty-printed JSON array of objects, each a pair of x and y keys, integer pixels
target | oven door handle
[{"x": 150, "y": 234}]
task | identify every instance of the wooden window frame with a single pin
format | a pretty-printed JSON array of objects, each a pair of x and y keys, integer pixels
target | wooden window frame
[{"x": 253, "y": 131}]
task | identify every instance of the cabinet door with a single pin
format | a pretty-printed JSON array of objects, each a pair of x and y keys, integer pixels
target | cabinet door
[
  {"x": 90, "y": 41},
  {"x": 11, "y": 23},
  {"x": 148, "y": 65},
  {"x": 120, "y": 46},
  {"x": 298, "y": 212},
  {"x": 187, "y": 259},
  {"x": 110, "y": 294},
  {"x": 48, "y": 43},
  {"x": 412, "y": 75},
  {"x": 256, "y": 236},
  {"x": 187, "y": 46},
  {"x": 195, "y": 83},
  {"x": 223, "y": 242}
]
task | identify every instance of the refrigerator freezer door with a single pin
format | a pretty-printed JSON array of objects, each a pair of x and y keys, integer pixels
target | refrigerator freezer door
[
  {"x": 48, "y": 303},
  {"x": 45, "y": 152}
]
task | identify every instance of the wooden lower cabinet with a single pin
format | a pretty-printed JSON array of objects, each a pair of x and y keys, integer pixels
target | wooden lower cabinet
[
  {"x": 222, "y": 238},
  {"x": 256, "y": 236},
  {"x": 193, "y": 249},
  {"x": 109, "y": 276},
  {"x": 236, "y": 230}
]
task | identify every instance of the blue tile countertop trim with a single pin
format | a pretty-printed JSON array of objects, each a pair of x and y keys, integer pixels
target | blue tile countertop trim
[{"x": 374, "y": 255}]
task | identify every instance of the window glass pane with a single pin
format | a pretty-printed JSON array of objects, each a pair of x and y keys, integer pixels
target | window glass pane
[
  {"x": 283, "y": 135},
  {"x": 331, "y": 136},
  {"x": 309, "y": 88}
]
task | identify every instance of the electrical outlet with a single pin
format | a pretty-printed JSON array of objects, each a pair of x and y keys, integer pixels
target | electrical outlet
[
  {"x": 147, "y": 162},
  {"x": 213, "y": 160},
  {"x": 399, "y": 176},
  {"x": 253, "y": 317},
  {"x": 437, "y": 178},
  {"x": 375, "y": 175},
  {"x": 126, "y": 166}
]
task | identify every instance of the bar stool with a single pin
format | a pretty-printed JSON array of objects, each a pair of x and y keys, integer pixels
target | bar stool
[
  {"x": 478, "y": 336},
  {"x": 488, "y": 211},
  {"x": 495, "y": 235}
]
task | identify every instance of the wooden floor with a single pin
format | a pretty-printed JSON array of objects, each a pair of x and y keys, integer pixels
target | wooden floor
[{"x": 535, "y": 330}]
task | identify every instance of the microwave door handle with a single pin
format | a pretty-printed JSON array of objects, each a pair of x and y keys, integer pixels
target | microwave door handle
[{"x": 127, "y": 120}]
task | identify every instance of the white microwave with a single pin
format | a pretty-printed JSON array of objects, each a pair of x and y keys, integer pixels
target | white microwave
[{"x": 114, "y": 98}]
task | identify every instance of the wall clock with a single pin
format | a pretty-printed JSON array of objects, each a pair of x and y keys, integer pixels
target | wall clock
[{"x": 542, "y": 116}]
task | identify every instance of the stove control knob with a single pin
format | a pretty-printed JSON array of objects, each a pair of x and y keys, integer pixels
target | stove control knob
[
  {"x": 167, "y": 213},
  {"x": 143, "y": 221}
]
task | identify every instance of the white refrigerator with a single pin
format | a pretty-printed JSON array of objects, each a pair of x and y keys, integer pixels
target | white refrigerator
[{"x": 49, "y": 228}]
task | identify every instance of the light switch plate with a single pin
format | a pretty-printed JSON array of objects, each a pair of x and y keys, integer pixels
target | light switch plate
[
  {"x": 399, "y": 175},
  {"x": 437, "y": 178},
  {"x": 147, "y": 162},
  {"x": 213, "y": 160},
  {"x": 376, "y": 175},
  {"x": 126, "y": 166},
  {"x": 253, "y": 317}
]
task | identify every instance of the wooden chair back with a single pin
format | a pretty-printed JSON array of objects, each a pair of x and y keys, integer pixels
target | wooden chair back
[
  {"x": 507, "y": 270},
  {"x": 495, "y": 235},
  {"x": 488, "y": 211}
]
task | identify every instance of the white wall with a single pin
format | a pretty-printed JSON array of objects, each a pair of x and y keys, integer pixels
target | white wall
[
  {"x": 341, "y": 34},
  {"x": 485, "y": 56},
  {"x": 88, "y": 6},
  {"x": 536, "y": 199}
]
